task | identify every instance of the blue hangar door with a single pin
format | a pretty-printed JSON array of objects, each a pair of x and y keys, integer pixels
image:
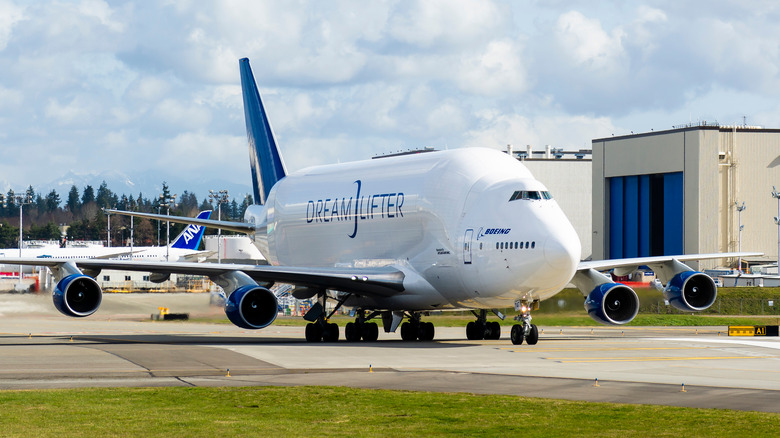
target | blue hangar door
[{"x": 645, "y": 215}]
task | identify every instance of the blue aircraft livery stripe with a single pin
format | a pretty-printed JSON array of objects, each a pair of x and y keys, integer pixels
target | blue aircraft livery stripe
[
  {"x": 265, "y": 159},
  {"x": 191, "y": 236}
]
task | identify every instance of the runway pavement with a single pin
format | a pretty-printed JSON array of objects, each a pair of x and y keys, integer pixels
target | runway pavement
[{"x": 119, "y": 346}]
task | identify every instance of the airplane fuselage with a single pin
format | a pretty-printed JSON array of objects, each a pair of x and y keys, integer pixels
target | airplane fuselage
[{"x": 444, "y": 218}]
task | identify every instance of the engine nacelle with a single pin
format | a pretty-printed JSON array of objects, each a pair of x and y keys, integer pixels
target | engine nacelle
[
  {"x": 251, "y": 307},
  {"x": 77, "y": 295},
  {"x": 612, "y": 303},
  {"x": 691, "y": 291}
]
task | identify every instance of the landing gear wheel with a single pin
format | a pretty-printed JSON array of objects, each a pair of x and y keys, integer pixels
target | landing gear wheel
[
  {"x": 352, "y": 332},
  {"x": 475, "y": 331},
  {"x": 493, "y": 331},
  {"x": 517, "y": 334},
  {"x": 370, "y": 332},
  {"x": 313, "y": 332},
  {"x": 533, "y": 335},
  {"x": 408, "y": 332},
  {"x": 330, "y": 332},
  {"x": 427, "y": 331}
]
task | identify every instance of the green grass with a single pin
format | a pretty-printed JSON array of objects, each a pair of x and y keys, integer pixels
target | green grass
[{"x": 331, "y": 411}]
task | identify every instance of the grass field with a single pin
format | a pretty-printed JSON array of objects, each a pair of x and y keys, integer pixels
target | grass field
[{"x": 331, "y": 411}]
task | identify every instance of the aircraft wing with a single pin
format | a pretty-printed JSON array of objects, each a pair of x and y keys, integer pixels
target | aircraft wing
[
  {"x": 603, "y": 265},
  {"x": 376, "y": 282},
  {"x": 239, "y": 227}
]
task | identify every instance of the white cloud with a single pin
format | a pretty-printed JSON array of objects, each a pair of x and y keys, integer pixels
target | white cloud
[
  {"x": 497, "y": 129},
  {"x": 10, "y": 15},
  {"x": 453, "y": 23},
  {"x": 588, "y": 44},
  {"x": 498, "y": 69},
  {"x": 344, "y": 80}
]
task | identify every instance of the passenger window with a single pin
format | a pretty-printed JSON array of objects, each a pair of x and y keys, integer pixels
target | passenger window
[{"x": 533, "y": 245}]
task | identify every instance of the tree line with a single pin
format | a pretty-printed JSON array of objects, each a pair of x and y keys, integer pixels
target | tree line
[{"x": 81, "y": 214}]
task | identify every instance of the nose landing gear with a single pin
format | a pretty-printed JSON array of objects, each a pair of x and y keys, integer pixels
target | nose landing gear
[{"x": 526, "y": 330}]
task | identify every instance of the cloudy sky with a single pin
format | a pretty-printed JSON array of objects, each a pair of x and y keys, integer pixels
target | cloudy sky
[{"x": 90, "y": 86}]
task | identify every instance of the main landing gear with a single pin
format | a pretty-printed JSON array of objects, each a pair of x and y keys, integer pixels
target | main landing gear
[
  {"x": 361, "y": 328},
  {"x": 415, "y": 329},
  {"x": 320, "y": 329},
  {"x": 526, "y": 330},
  {"x": 482, "y": 328}
]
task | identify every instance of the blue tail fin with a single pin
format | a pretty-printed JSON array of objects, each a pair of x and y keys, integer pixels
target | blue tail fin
[
  {"x": 191, "y": 236},
  {"x": 265, "y": 159}
]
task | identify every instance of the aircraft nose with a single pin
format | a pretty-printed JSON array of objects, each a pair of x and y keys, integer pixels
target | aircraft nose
[{"x": 562, "y": 252}]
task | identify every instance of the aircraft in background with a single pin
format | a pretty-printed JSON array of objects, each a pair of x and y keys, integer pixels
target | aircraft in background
[
  {"x": 183, "y": 248},
  {"x": 396, "y": 238}
]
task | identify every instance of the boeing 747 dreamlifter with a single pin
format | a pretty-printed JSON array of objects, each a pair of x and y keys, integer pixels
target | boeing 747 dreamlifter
[{"x": 396, "y": 238}]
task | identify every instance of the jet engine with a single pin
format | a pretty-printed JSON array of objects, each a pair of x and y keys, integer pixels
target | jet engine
[
  {"x": 691, "y": 291},
  {"x": 77, "y": 295},
  {"x": 251, "y": 307},
  {"x": 612, "y": 303}
]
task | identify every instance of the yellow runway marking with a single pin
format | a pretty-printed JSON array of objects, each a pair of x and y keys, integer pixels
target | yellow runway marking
[
  {"x": 646, "y": 359},
  {"x": 564, "y": 350}
]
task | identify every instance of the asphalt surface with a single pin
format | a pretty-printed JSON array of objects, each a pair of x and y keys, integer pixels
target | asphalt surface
[{"x": 121, "y": 346}]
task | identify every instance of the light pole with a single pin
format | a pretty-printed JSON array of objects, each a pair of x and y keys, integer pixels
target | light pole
[
  {"x": 221, "y": 197},
  {"x": 21, "y": 201},
  {"x": 776, "y": 195},
  {"x": 108, "y": 234},
  {"x": 167, "y": 201},
  {"x": 740, "y": 209}
]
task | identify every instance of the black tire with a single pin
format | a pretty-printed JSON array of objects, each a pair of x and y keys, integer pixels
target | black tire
[
  {"x": 370, "y": 332},
  {"x": 517, "y": 334},
  {"x": 352, "y": 332},
  {"x": 533, "y": 335},
  {"x": 313, "y": 332},
  {"x": 495, "y": 330},
  {"x": 474, "y": 331},
  {"x": 330, "y": 333},
  {"x": 408, "y": 332},
  {"x": 427, "y": 331}
]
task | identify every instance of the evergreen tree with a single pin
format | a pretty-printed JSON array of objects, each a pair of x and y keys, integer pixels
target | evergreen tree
[
  {"x": 8, "y": 235},
  {"x": 88, "y": 195},
  {"x": 52, "y": 201},
  {"x": 74, "y": 204},
  {"x": 105, "y": 198}
]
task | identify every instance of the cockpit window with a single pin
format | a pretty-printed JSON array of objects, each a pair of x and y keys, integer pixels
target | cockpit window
[{"x": 530, "y": 195}]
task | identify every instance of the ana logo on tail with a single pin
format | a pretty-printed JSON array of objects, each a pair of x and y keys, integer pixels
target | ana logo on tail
[{"x": 191, "y": 236}]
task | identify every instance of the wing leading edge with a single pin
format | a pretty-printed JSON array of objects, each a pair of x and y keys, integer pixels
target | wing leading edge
[{"x": 373, "y": 282}]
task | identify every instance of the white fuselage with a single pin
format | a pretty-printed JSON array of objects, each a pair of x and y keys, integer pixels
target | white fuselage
[
  {"x": 142, "y": 253},
  {"x": 444, "y": 218}
]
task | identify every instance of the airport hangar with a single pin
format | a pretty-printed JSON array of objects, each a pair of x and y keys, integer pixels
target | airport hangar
[{"x": 676, "y": 191}]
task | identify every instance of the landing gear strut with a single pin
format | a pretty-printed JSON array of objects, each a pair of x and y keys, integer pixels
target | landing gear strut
[
  {"x": 526, "y": 330},
  {"x": 415, "y": 329},
  {"x": 482, "y": 328}
]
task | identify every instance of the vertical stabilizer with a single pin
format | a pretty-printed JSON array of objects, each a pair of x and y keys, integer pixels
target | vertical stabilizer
[
  {"x": 265, "y": 159},
  {"x": 191, "y": 236}
]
